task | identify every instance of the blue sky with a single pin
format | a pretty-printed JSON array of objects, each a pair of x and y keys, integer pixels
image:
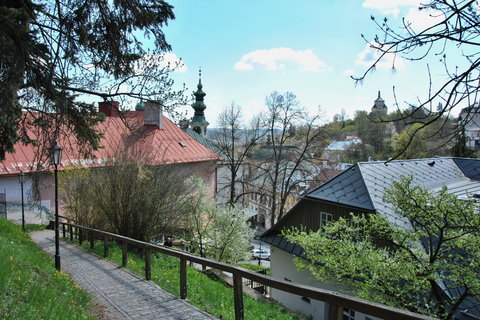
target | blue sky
[{"x": 247, "y": 49}]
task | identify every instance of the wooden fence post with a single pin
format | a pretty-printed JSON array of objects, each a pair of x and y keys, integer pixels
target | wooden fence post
[
  {"x": 80, "y": 236},
  {"x": 148, "y": 266},
  {"x": 335, "y": 312},
  {"x": 105, "y": 246},
  {"x": 70, "y": 232},
  {"x": 183, "y": 278},
  {"x": 92, "y": 240},
  {"x": 124, "y": 253},
  {"x": 63, "y": 229},
  {"x": 238, "y": 296}
]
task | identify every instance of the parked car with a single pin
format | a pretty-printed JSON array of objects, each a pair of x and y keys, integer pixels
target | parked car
[{"x": 260, "y": 254}]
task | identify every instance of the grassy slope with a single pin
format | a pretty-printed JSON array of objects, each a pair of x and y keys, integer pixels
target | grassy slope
[
  {"x": 30, "y": 287},
  {"x": 203, "y": 292}
]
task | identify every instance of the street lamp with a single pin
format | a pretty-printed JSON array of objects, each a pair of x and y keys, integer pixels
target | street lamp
[
  {"x": 56, "y": 158},
  {"x": 21, "y": 179}
]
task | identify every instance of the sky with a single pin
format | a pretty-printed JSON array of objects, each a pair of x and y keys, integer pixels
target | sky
[{"x": 248, "y": 49}]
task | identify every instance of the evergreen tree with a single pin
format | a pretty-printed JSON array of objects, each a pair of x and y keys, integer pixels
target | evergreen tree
[
  {"x": 53, "y": 51},
  {"x": 460, "y": 148}
]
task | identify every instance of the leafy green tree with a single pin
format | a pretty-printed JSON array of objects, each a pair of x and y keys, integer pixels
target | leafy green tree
[
  {"x": 56, "y": 56},
  {"x": 402, "y": 266},
  {"x": 229, "y": 235},
  {"x": 218, "y": 232},
  {"x": 453, "y": 37},
  {"x": 410, "y": 143}
]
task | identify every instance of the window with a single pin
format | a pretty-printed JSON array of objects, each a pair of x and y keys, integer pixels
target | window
[
  {"x": 325, "y": 218},
  {"x": 348, "y": 314}
]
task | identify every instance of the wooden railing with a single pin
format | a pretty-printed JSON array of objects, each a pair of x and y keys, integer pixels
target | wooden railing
[{"x": 339, "y": 300}]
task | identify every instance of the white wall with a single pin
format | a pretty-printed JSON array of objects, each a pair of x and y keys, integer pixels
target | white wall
[
  {"x": 33, "y": 213},
  {"x": 283, "y": 268},
  {"x": 12, "y": 187}
]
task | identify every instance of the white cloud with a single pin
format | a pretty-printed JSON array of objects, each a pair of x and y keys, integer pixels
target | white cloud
[
  {"x": 390, "y": 7},
  {"x": 348, "y": 72},
  {"x": 240, "y": 65},
  {"x": 369, "y": 55},
  {"x": 422, "y": 19},
  {"x": 279, "y": 58}
]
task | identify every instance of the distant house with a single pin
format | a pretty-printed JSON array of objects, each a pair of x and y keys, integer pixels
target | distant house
[
  {"x": 470, "y": 118},
  {"x": 360, "y": 189},
  {"x": 334, "y": 151},
  {"x": 151, "y": 135}
]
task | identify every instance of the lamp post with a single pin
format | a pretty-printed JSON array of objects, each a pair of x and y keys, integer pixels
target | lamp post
[
  {"x": 21, "y": 179},
  {"x": 56, "y": 158}
]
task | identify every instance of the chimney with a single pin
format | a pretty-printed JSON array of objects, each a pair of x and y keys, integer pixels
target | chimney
[
  {"x": 153, "y": 114},
  {"x": 109, "y": 108}
]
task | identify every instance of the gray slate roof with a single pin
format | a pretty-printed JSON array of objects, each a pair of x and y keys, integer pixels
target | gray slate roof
[
  {"x": 347, "y": 188},
  {"x": 364, "y": 184}
]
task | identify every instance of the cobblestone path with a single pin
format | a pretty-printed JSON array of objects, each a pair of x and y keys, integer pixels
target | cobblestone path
[{"x": 123, "y": 294}]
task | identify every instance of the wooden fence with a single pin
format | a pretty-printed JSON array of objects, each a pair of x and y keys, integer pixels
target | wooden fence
[{"x": 340, "y": 301}]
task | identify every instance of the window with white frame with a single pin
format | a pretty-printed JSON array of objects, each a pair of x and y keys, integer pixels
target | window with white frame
[
  {"x": 348, "y": 314},
  {"x": 325, "y": 218}
]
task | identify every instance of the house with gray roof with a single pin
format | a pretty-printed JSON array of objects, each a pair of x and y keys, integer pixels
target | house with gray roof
[
  {"x": 360, "y": 189},
  {"x": 469, "y": 118}
]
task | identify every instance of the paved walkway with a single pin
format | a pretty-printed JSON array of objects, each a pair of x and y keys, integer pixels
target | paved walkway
[{"x": 123, "y": 294}]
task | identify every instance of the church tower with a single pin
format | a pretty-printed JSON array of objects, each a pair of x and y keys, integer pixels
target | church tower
[
  {"x": 198, "y": 122},
  {"x": 379, "y": 104}
]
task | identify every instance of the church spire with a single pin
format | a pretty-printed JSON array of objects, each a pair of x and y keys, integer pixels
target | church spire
[
  {"x": 198, "y": 122},
  {"x": 199, "y": 106}
]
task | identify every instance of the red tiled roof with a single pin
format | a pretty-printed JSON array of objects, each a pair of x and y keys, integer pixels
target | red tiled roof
[{"x": 158, "y": 146}]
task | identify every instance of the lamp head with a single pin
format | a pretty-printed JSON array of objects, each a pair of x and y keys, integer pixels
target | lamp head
[
  {"x": 21, "y": 177},
  {"x": 56, "y": 154}
]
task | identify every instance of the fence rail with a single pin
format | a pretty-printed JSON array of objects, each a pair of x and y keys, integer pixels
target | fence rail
[{"x": 339, "y": 300}]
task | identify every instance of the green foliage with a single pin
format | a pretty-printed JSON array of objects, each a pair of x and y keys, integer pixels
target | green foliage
[
  {"x": 204, "y": 292},
  {"x": 30, "y": 287},
  {"x": 54, "y": 54},
  {"x": 383, "y": 138},
  {"x": 254, "y": 267},
  {"x": 410, "y": 143},
  {"x": 453, "y": 38},
  {"x": 402, "y": 266},
  {"x": 460, "y": 148},
  {"x": 217, "y": 232}
]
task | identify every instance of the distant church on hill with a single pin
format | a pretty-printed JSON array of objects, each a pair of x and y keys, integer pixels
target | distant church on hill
[{"x": 379, "y": 105}]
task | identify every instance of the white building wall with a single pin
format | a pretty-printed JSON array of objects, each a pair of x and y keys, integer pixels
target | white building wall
[
  {"x": 35, "y": 212},
  {"x": 283, "y": 268},
  {"x": 11, "y": 186}
]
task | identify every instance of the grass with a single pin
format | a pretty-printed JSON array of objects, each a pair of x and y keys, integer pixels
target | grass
[
  {"x": 204, "y": 292},
  {"x": 254, "y": 267},
  {"x": 30, "y": 287}
]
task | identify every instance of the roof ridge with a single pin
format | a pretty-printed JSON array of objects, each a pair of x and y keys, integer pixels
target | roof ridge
[{"x": 366, "y": 187}]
